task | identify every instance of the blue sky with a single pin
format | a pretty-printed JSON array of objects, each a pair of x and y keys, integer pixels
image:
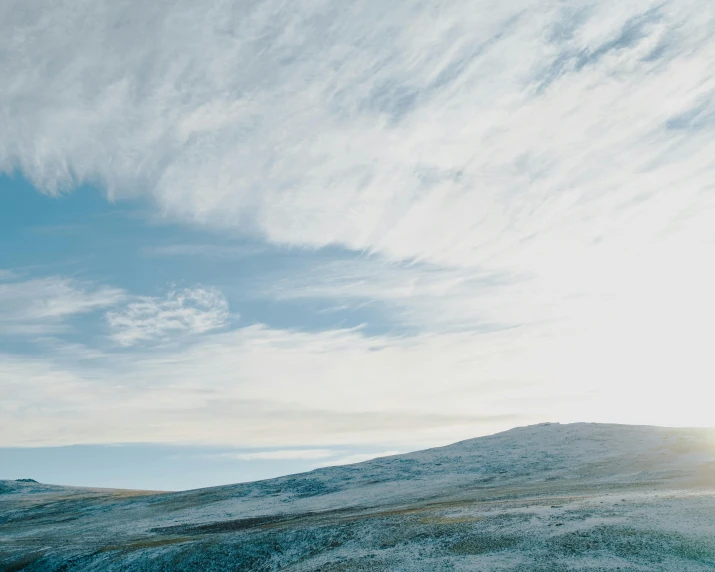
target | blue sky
[
  {"x": 84, "y": 236},
  {"x": 346, "y": 230}
]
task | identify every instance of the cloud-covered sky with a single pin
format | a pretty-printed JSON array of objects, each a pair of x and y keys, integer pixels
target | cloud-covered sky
[{"x": 312, "y": 224}]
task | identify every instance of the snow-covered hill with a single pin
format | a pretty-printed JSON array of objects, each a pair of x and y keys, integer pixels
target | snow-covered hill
[{"x": 547, "y": 497}]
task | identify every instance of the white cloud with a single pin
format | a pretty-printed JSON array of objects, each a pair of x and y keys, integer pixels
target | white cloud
[
  {"x": 453, "y": 131},
  {"x": 46, "y": 305},
  {"x": 428, "y": 297},
  {"x": 564, "y": 148},
  {"x": 43, "y": 305},
  {"x": 257, "y": 387},
  {"x": 187, "y": 311},
  {"x": 563, "y": 151},
  {"x": 281, "y": 455}
]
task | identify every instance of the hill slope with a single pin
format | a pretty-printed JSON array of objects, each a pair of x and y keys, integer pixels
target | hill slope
[{"x": 547, "y": 497}]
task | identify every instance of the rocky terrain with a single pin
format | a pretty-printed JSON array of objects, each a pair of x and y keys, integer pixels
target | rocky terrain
[{"x": 547, "y": 497}]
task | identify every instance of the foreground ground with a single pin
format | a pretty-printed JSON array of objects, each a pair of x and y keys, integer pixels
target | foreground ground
[{"x": 548, "y": 497}]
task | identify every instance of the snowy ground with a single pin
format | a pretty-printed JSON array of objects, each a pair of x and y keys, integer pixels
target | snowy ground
[{"x": 548, "y": 497}]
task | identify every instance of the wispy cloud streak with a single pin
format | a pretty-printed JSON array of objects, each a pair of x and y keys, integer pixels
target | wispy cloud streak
[
  {"x": 43, "y": 305},
  {"x": 187, "y": 311}
]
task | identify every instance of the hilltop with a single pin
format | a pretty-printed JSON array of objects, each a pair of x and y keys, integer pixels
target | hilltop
[{"x": 545, "y": 497}]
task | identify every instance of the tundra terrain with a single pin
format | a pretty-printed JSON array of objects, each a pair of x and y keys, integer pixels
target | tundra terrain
[{"x": 547, "y": 497}]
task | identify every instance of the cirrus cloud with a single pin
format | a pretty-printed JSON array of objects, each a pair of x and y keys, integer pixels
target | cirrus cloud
[
  {"x": 187, "y": 311},
  {"x": 457, "y": 132},
  {"x": 44, "y": 305}
]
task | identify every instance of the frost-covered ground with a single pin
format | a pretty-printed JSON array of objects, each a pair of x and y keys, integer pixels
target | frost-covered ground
[{"x": 548, "y": 497}]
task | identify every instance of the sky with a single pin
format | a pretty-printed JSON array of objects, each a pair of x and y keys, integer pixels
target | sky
[{"x": 255, "y": 238}]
